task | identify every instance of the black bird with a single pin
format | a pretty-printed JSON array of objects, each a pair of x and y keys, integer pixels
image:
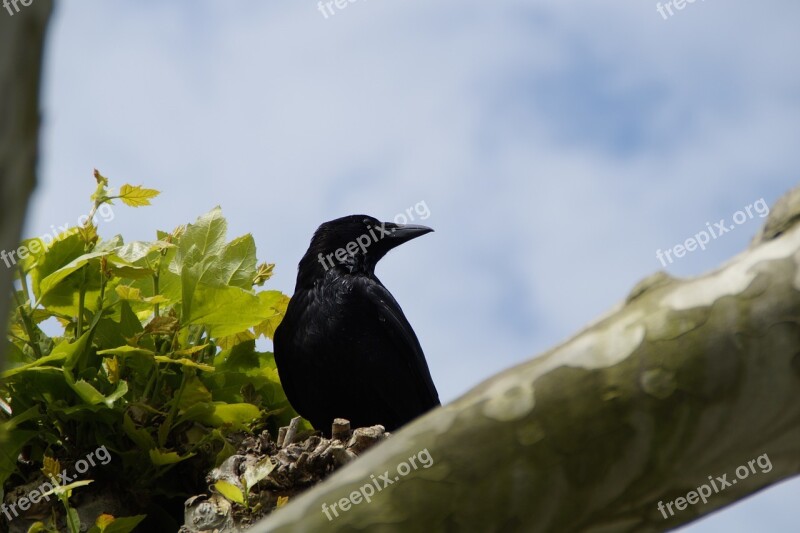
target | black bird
[{"x": 345, "y": 349}]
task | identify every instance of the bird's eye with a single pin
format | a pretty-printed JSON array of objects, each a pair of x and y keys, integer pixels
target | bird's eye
[{"x": 367, "y": 222}]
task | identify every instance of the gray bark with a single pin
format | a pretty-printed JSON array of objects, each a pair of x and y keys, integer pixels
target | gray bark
[
  {"x": 21, "y": 46},
  {"x": 686, "y": 382}
]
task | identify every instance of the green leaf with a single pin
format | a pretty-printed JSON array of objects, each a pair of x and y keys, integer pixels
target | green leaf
[
  {"x": 279, "y": 305},
  {"x": 230, "y": 491},
  {"x": 129, "y": 324},
  {"x": 66, "y": 248},
  {"x": 63, "y": 351},
  {"x": 74, "y": 351},
  {"x": 184, "y": 362},
  {"x": 125, "y": 351},
  {"x": 232, "y": 340},
  {"x": 35, "y": 249},
  {"x": 204, "y": 238},
  {"x": 109, "y": 245},
  {"x": 226, "y": 311},
  {"x": 59, "y": 490},
  {"x": 73, "y": 520},
  {"x": 131, "y": 272},
  {"x": 126, "y": 292},
  {"x": 238, "y": 262},
  {"x": 85, "y": 391},
  {"x": 194, "y": 392},
  {"x": 117, "y": 266},
  {"x": 12, "y": 440},
  {"x": 134, "y": 252},
  {"x": 191, "y": 350},
  {"x": 136, "y": 195},
  {"x": 108, "y": 524},
  {"x": 60, "y": 293},
  {"x": 162, "y": 458},
  {"x": 125, "y": 524},
  {"x": 234, "y": 265},
  {"x": 236, "y": 415},
  {"x": 227, "y": 450},
  {"x": 101, "y": 523},
  {"x": 263, "y": 273},
  {"x": 197, "y": 256},
  {"x": 51, "y": 281},
  {"x": 243, "y": 368},
  {"x": 140, "y": 360},
  {"x": 14, "y": 354},
  {"x": 140, "y": 436},
  {"x": 91, "y": 395}
]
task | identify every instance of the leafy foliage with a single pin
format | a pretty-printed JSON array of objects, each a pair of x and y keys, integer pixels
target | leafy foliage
[{"x": 155, "y": 356}]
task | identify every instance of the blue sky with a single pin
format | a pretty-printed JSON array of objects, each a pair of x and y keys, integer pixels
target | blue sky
[{"x": 556, "y": 145}]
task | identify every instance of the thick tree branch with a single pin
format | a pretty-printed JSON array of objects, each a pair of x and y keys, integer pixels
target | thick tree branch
[
  {"x": 21, "y": 46},
  {"x": 680, "y": 385}
]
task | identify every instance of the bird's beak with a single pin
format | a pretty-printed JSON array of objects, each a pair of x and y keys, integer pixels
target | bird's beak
[{"x": 401, "y": 233}]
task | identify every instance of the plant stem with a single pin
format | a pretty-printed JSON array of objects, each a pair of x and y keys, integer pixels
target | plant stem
[
  {"x": 92, "y": 212},
  {"x": 103, "y": 282},
  {"x": 79, "y": 327},
  {"x": 155, "y": 289},
  {"x": 150, "y": 384},
  {"x": 23, "y": 279},
  {"x": 27, "y": 323}
]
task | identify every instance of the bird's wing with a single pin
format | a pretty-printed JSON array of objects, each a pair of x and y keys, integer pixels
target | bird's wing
[
  {"x": 354, "y": 356},
  {"x": 393, "y": 351}
]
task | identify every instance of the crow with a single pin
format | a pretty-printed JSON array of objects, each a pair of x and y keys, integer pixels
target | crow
[{"x": 345, "y": 349}]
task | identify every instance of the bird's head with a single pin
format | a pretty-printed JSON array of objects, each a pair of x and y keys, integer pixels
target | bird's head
[{"x": 354, "y": 244}]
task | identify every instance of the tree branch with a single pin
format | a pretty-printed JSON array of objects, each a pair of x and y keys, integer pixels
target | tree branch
[{"x": 21, "y": 46}]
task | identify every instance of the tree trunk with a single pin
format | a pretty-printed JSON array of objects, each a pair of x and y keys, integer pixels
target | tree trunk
[
  {"x": 22, "y": 35},
  {"x": 682, "y": 400}
]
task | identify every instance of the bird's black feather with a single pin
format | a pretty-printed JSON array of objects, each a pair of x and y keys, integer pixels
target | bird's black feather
[{"x": 345, "y": 349}]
